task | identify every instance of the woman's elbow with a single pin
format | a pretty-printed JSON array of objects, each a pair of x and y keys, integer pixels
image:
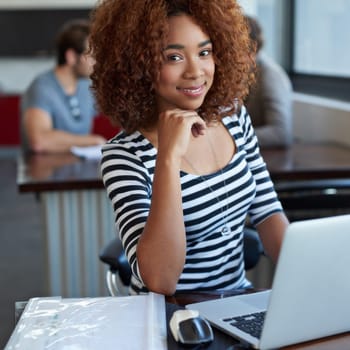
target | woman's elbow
[
  {"x": 160, "y": 280},
  {"x": 161, "y": 285}
]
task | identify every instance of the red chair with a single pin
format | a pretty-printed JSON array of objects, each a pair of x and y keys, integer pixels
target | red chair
[
  {"x": 10, "y": 120},
  {"x": 102, "y": 126}
]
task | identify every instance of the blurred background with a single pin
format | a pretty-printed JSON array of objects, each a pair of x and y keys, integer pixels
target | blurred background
[{"x": 308, "y": 38}]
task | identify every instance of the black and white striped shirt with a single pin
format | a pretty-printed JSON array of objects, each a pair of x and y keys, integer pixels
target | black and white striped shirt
[{"x": 243, "y": 187}]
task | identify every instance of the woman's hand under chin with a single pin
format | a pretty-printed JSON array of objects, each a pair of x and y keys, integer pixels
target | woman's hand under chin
[{"x": 176, "y": 128}]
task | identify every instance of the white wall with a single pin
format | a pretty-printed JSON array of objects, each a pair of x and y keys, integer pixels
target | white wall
[
  {"x": 319, "y": 119},
  {"x": 17, "y": 73},
  {"x": 45, "y": 4}
]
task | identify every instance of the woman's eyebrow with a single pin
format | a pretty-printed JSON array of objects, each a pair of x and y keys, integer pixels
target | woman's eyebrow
[
  {"x": 180, "y": 47},
  {"x": 204, "y": 43}
]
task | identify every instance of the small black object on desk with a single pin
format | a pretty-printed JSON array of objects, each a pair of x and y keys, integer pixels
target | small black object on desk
[{"x": 190, "y": 329}]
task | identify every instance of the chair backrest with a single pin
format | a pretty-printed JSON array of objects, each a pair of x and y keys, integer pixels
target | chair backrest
[
  {"x": 252, "y": 248},
  {"x": 113, "y": 255}
]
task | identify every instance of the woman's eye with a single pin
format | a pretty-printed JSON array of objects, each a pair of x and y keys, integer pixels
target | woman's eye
[
  {"x": 173, "y": 58},
  {"x": 206, "y": 52}
]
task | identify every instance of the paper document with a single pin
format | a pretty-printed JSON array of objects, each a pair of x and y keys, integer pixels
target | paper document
[
  {"x": 108, "y": 323},
  {"x": 89, "y": 152}
]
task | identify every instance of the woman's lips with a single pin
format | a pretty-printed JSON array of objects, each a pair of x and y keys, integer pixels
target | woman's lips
[{"x": 193, "y": 91}]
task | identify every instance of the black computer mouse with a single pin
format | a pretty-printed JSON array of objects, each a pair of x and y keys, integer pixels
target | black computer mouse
[{"x": 189, "y": 328}]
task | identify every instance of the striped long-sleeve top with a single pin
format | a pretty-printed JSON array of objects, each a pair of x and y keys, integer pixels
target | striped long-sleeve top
[{"x": 210, "y": 203}]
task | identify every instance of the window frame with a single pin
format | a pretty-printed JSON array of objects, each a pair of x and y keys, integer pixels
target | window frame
[{"x": 320, "y": 85}]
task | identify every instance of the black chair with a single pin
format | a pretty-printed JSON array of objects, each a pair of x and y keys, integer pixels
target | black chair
[{"x": 118, "y": 274}]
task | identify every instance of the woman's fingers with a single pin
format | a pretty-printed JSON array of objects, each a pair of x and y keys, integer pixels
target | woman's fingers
[
  {"x": 175, "y": 129},
  {"x": 197, "y": 123},
  {"x": 197, "y": 129},
  {"x": 192, "y": 121}
]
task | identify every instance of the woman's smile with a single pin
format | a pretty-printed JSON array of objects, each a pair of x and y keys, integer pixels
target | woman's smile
[{"x": 193, "y": 91}]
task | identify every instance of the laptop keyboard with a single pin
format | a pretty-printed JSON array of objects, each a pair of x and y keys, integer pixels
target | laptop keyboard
[{"x": 251, "y": 323}]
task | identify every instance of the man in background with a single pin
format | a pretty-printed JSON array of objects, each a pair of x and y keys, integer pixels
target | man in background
[
  {"x": 269, "y": 103},
  {"x": 58, "y": 108}
]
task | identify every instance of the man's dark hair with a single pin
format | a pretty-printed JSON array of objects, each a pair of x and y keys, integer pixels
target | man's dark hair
[{"x": 73, "y": 35}]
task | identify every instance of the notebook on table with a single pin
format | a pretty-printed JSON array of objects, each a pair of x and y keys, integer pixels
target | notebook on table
[{"x": 310, "y": 294}]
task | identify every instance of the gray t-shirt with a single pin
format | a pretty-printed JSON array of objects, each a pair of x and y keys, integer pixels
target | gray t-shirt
[{"x": 71, "y": 113}]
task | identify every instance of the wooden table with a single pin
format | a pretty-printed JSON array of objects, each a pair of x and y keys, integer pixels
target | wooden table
[
  {"x": 308, "y": 162},
  {"x": 37, "y": 173}
]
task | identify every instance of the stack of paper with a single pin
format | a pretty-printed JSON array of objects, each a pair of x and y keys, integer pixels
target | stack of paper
[
  {"x": 132, "y": 322},
  {"x": 88, "y": 152}
]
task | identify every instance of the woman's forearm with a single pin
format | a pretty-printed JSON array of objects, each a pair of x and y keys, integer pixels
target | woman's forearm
[{"x": 161, "y": 250}]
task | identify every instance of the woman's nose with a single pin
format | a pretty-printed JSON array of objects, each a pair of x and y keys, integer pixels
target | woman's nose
[{"x": 193, "y": 69}]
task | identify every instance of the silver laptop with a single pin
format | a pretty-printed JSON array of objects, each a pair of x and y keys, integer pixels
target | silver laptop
[{"x": 310, "y": 295}]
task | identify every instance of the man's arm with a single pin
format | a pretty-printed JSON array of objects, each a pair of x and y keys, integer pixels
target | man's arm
[{"x": 42, "y": 137}]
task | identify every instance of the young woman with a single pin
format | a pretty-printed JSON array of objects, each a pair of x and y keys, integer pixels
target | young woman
[{"x": 186, "y": 171}]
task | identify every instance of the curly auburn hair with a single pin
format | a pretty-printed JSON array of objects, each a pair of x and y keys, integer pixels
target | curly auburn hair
[{"x": 127, "y": 38}]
